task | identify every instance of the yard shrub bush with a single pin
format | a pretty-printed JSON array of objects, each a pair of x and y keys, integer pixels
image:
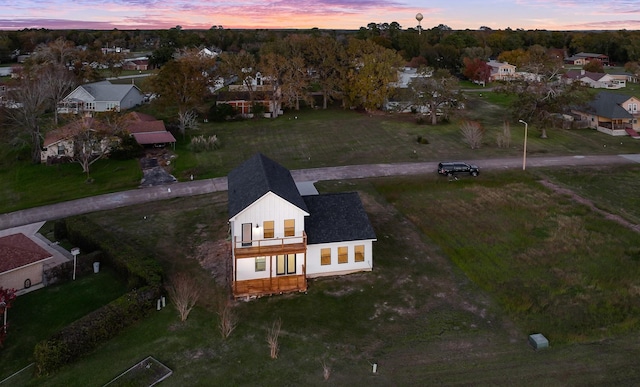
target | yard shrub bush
[
  {"x": 128, "y": 259},
  {"x": 85, "y": 334}
]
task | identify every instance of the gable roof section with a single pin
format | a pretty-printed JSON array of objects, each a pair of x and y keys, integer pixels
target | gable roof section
[
  {"x": 17, "y": 250},
  {"x": 580, "y": 74},
  {"x": 254, "y": 178},
  {"x": 67, "y": 131},
  {"x": 336, "y": 217},
  {"x": 609, "y": 105},
  {"x": 106, "y": 91}
]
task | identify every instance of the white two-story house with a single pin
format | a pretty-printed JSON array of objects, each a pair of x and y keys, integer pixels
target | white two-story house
[{"x": 279, "y": 238}]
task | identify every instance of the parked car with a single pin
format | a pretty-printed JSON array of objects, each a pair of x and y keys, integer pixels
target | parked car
[{"x": 454, "y": 168}]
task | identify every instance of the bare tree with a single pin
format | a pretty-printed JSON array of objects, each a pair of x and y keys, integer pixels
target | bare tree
[
  {"x": 273, "y": 335},
  {"x": 241, "y": 65},
  {"x": 92, "y": 140},
  {"x": 504, "y": 138},
  {"x": 326, "y": 370},
  {"x": 295, "y": 83},
  {"x": 472, "y": 133},
  {"x": 439, "y": 93},
  {"x": 228, "y": 319},
  {"x": 184, "y": 291},
  {"x": 187, "y": 120},
  {"x": 31, "y": 99},
  {"x": 58, "y": 81}
]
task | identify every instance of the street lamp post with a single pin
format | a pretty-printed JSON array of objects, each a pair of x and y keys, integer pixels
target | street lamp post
[
  {"x": 74, "y": 251},
  {"x": 524, "y": 152}
]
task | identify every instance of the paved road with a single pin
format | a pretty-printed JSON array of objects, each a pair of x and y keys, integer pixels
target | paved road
[{"x": 199, "y": 187}]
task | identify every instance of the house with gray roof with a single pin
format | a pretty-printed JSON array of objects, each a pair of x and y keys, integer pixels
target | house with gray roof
[
  {"x": 611, "y": 113},
  {"x": 101, "y": 96},
  {"x": 280, "y": 238}
]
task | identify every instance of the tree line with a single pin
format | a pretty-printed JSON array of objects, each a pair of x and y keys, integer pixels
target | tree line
[{"x": 440, "y": 45}]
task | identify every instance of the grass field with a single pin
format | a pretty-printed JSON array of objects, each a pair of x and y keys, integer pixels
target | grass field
[
  {"x": 463, "y": 272},
  {"x": 316, "y": 138}
]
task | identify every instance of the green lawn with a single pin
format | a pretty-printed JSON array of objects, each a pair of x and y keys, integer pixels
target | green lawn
[
  {"x": 463, "y": 272},
  {"x": 37, "y": 315},
  {"x": 316, "y": 138}
]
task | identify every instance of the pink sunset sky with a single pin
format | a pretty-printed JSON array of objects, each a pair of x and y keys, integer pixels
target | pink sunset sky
[{"x": 323, "y": 14}]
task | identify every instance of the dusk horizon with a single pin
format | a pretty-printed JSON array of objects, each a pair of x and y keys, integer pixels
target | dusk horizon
[{"x": 561, "y": 15}]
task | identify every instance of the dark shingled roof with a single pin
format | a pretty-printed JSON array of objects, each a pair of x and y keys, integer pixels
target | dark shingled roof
[
  {"x": 609, "y": 105},
  {"x": 257, "y": 176},
  {"x": 336, "y": 218}
]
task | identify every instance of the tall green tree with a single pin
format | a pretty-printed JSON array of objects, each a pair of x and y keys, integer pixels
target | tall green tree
[
  {"x": 371, "y": 71},
  {"x": 183, "y": 84},
  {"x": 543, "y": 95}
]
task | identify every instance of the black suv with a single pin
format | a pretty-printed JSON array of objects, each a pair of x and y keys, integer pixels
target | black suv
[{"x": 451, "y": 169}]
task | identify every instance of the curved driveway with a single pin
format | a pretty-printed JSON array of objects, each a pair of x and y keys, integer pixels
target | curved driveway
[{"x": 199, "y": 187}]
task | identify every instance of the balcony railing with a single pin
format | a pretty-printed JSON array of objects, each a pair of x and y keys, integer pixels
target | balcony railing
[{"x": 270, "y": 246}]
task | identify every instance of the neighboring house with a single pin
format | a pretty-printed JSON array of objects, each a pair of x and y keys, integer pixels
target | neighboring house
[
  {"x": 101, "y": 97},
  {"x": 58, "y": 144},
  {"x": 21, "y": 262},
  {"x": 613, "y": 114},
  {"x": 582, "y": 58},
  {"x": 596, "y": 80},
  {"x": 147, "y": 130},
  {"x": 398, "y": 102},
  {"x": 279, "y": 237},
  {"x": 136, "y": 64},
  {"x": 501, "y": 71}
]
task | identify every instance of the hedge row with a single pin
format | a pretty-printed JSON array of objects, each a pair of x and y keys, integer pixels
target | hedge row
[
  {"x": 83, "y": 335},
  {"x": 128, "y": 259},
  {"x": 87, "y": 333}
]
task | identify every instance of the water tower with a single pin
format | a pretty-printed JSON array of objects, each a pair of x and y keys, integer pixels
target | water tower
[{"x": 419, "y": 18}]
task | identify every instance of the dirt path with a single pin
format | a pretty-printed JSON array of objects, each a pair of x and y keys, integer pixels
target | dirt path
[{"x": 616, "y": 218}]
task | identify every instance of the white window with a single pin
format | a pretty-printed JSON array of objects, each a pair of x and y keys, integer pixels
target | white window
[
  {"x": 261, "y": 263},
  {"x": 61, "y": 150}
]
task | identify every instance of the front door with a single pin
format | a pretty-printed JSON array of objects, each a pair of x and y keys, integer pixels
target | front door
[{"x": 247, "y": 236}]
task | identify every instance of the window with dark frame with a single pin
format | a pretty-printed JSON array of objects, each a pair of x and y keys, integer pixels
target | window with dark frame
[
  {"x": 261, "y": 263},
  {"x": 286, "y": 264}
]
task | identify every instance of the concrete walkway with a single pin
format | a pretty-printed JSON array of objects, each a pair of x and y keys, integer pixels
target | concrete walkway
[{"x": 200, "y": 187}]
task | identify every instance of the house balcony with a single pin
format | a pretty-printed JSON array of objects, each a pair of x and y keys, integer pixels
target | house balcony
[{"x": 271, "y": 246}]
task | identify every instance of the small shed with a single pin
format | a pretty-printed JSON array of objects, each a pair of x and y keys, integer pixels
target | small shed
[
  {"x": 21, "y": 262},
  {"x": 538, "y": 341}
]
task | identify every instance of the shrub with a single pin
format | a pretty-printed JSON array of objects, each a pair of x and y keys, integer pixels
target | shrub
[
  {"x": 203, "y": 144},
  {"x": 472, "y": 133},
  {"x": 59, "y": 230},
  {"x": 128, "y": 259},
  {"x": 127, "y": 149},
  {"x": 85, "y": 334},
  {"x": 422, "y": 140},
  {"x": 222, "y": 112}
]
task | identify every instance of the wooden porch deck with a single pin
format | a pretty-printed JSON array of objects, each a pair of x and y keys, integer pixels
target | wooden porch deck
[{"x": 267, "y": 286}]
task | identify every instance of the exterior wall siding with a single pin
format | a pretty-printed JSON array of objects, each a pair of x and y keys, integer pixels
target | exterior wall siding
[
  {"x": 15, "y": 279},
  {"x": 315, "y": 269}
]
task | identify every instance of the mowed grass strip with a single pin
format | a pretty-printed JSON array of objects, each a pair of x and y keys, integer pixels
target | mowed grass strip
[
  {"x": 37, "y": 315},
  {"x": 554, "y": 265}
]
